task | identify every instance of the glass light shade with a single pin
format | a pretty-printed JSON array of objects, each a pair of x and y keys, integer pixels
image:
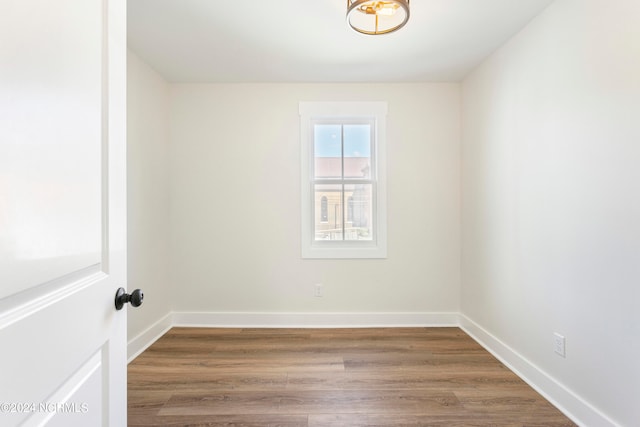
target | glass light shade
[{"x": 377, "y": 17}]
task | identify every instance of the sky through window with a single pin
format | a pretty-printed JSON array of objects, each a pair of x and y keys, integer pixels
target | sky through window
[{"x": 357, "y": 141}]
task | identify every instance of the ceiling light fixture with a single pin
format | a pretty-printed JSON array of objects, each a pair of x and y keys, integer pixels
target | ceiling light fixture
[{"x": 377, "y": 17}]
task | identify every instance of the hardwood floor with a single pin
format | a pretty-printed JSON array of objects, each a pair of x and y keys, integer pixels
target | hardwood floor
[{"x": 328, "y": 377}]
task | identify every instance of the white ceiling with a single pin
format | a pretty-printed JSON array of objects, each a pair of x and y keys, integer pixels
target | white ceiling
[{"x": 309, "y": 40}]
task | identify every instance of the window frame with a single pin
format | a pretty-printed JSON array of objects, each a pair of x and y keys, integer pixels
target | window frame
[{"x": 345, "y": 113}]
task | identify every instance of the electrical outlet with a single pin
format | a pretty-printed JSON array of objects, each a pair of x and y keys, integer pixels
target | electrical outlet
[
  {"x": 559, "y": 344},
  {"x": 318, "y": 290}
]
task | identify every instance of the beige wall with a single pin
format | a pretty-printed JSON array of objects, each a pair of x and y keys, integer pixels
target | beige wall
[
  {"x": 148, "y": 193},
  {"x": 551, "y": 199},
  {"x": 235, "y": 211}
]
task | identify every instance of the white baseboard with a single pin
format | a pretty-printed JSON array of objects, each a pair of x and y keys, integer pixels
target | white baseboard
[
  {"x": 315, "y": 320},
  {"x": 142, "y": 341},
  {"x": 572, "y": 405}
]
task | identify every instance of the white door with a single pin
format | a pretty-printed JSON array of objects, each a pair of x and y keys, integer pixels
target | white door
[{"x": 62, "y": 212}]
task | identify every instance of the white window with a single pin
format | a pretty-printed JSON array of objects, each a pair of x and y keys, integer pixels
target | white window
[{"x": 343, "y": 179}]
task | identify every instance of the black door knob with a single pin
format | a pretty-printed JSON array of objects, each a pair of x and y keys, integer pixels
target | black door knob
[{"x": 135, "y": 298}]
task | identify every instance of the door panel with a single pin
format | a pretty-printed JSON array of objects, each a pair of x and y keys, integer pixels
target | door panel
[
  {"x": 80, "y": 395},
  {"x": 51, "y": 98},
  {"x": 62, "y": 212}
]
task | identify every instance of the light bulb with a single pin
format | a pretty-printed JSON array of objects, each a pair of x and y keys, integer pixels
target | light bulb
[
  {"x": 379, "y": 8},
  {"x": 387, "y": 9}
]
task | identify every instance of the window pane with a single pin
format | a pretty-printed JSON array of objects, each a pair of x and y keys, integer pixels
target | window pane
[
  {"x": 324, "y": 209},
  {"x": 360, "y": 200},
  {"x": 328, "y": 212},
  {"x": 357, "y": 151},
  {"x": 327, "y": 151}
]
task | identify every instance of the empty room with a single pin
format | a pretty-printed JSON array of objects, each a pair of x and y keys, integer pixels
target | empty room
[{"x": 329, "y": 213}]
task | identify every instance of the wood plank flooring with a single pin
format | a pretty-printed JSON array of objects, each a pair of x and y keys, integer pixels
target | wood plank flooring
[{"x": 328, "y": 377}]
